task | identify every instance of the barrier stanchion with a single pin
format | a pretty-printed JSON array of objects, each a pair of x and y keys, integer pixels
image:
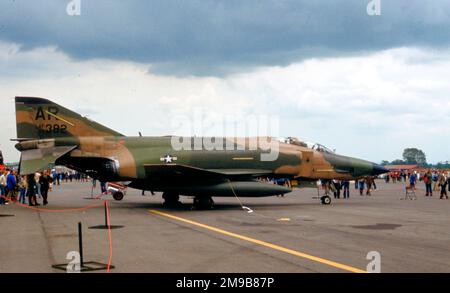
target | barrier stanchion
[
  {"x": 80, "y": 244},
  {"x": 88, "y": 266},
  {"x": 84, "y": 266},
  {"x": 107, "y": 224}
]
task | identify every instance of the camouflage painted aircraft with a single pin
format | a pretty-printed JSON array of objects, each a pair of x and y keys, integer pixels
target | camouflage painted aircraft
[{"x": 48, "y": 133}]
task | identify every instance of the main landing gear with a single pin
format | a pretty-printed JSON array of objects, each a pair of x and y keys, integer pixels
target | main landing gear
[
  {"x": 171, "y": 200},
  {"x": 203, "y": 203}
]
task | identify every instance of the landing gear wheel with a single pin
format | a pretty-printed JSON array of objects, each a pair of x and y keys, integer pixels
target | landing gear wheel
[
  {"x": 326, "y": 200},
  {"x": 203, "y": 203},
  {"x": 171, "y": 200},
  {"x": 118, "y": 195}
]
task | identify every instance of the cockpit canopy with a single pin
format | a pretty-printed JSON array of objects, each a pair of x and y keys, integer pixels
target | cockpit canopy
[
  {"x": 315, "y": 146},
  {"x": 321, "y": 148},
  {"x": 294, "y": 141}
]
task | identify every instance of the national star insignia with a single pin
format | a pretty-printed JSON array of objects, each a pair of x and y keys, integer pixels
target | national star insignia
[{"x": 168, "y": 159}]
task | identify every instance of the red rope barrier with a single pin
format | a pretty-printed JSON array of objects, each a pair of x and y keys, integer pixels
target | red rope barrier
[{"x": 105, "y": 203}]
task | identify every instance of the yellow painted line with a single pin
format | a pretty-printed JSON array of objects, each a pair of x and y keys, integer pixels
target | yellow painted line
[
  {"x": 243, "y": 158},
  {"x": 59, "y": 118},
  {"x": 263, "y": 243}
]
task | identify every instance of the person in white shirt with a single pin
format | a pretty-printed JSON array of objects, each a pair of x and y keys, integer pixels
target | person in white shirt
[{"x": 37, "y": 176}]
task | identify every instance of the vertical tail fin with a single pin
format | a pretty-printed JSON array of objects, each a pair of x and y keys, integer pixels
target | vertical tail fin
[{"x": 38, "y": 118}]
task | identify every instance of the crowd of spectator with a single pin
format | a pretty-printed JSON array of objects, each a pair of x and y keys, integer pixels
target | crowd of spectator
[
  {"x": 32, "y": 188},
  {"x": 434, "y": 180}
]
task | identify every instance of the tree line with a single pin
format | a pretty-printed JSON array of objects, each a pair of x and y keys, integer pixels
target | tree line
[{"x": 414, "y": 156}]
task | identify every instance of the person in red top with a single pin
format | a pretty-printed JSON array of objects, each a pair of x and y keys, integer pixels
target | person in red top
[{"x": 2, "y": 166}]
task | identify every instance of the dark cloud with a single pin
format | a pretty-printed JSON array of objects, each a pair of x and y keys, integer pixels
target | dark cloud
[{"x": 219, "y": 37}]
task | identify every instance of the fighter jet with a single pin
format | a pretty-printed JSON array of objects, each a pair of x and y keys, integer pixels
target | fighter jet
[{"x": 48, "y": 133}]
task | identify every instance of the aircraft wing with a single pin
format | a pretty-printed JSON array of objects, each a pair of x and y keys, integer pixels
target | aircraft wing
[
  {"x": 242, "y": 172},
  {"x": 176, "y": 171}
]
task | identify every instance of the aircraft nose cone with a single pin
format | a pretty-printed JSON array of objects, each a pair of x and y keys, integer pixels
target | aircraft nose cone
[{"x": 378, "y": 170}]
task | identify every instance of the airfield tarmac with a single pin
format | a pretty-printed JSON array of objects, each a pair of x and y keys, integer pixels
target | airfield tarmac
[{"x": 294, "y": 234}]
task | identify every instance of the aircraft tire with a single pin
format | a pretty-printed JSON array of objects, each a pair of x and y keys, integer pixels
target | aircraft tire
[
  {"x": 326, "y": 200},
  {"x": 171, "y": 199},
  {"x": 118, "y": 195},
  {"x": 203, "y": 203}
]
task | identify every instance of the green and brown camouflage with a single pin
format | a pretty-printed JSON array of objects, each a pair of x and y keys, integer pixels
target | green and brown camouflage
[{"x": 49, "y": 133}]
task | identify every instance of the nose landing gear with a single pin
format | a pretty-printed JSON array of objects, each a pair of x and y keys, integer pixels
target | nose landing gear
[{"x": 326, "y": 200}]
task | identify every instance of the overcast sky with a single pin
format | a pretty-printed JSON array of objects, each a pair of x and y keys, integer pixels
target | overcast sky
[{"x": 368, "y": 86}]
